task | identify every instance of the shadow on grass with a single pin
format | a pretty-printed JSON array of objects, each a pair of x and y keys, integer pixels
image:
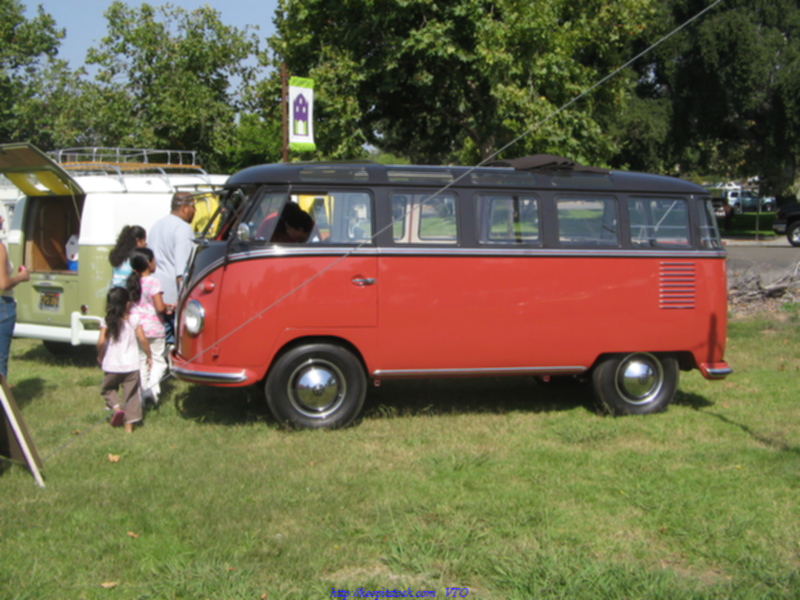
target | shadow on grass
[
  {"x": 402, "y": 398},
  {"x": 493, "y": 395},
  {"x": 224, "y": 406},
  {"x": 26, "y": 390},
  {"x": 70, "y": 356},
  {"x": 694, "y": 401},
  {"x": 770, "y": 442}
]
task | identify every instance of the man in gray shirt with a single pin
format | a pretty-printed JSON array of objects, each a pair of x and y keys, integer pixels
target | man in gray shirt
[{"x": 171, "y": 239}]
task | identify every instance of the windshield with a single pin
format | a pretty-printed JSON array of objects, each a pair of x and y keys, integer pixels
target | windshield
[{"x": 224, "y": 210}]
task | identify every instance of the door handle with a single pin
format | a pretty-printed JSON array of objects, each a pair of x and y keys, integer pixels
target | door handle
[{"x": 363, "y": 281}]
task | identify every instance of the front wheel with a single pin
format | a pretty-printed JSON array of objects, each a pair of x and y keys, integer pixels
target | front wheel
[
  {"x": 635, "y": 384},
  {"x": 793, "y": 233},
  {"x": 316, "y": 386}
]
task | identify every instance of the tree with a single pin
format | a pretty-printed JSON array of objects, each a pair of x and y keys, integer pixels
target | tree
[
  {"x": 732, "y": 81},
  {"x": 171, "y": 78},
  {"x": 441, "y": 81},
  {"x": 26, "y": 46}
]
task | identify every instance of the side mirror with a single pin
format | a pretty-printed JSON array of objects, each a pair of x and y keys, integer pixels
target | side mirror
[{"x": 243, "y": 232}]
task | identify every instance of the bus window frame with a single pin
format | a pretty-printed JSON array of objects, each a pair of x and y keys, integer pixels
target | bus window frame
[
  {"x": 691, "y": 243},
  {"x": 569, "y": 195},
  {"x": 481, "y": 229},
  {"x": 414, "y": 241}
]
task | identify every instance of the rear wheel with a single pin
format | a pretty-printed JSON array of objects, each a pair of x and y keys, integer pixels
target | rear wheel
[
  {"x": 316, "y": 385},
  {"x": 635, "y": 384},
  {"x": 793, "y": 233}
]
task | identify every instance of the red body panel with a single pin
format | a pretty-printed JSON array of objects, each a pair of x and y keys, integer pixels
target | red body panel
[
  {"x": 257, "y": 306},
  {"x": 498, "y": 313},
  {"x": 462, "y": 314}
]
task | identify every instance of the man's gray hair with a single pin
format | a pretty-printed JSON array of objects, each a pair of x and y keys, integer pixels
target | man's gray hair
[{"x": 180, "y": 199}]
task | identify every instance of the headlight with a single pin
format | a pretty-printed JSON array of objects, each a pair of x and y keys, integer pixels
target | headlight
[{"x": 194, "y": 317}]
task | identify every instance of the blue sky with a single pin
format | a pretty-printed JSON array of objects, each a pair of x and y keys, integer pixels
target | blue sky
[{"x": 85, "y": 24}]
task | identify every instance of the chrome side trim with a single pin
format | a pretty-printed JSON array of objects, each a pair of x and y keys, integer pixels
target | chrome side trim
[
  {"x": 339, "y": 251},
  {"x": 573, "y": 370},
  {"x": 321, "y": 250},
  {"x": 205, "y": 377}
]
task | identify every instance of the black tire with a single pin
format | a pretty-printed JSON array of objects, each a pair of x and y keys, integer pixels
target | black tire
[
  {"x": 316, "y": 386},
  {"x": 793, "y": 233},
  {"x": 635, "y": 384},
  {"x": 768, "y": 207}
]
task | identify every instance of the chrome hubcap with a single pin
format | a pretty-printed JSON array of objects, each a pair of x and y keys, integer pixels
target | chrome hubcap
[
  {"x": 640, "y": 378},
  {"x": 316, "y": 388}
]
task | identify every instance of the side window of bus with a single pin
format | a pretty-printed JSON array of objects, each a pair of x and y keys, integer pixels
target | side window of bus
[
  {"x": 587, "y": 222},
  {"x": 709, "y": 229},
  {"x": 340, "y": 217},
  {"x": 659, "y": 222},
  {"x": 424, "y": 219},
  {"x": 508, "y": 219}
]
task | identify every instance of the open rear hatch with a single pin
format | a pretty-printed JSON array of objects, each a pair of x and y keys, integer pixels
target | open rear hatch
[{"x": 48, "y": 214}]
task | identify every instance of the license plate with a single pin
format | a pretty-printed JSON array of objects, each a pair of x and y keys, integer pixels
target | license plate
[{"x": 49, "y": 300}]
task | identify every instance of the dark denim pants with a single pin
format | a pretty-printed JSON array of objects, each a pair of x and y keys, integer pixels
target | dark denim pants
[{"x": 8, "y": 316}]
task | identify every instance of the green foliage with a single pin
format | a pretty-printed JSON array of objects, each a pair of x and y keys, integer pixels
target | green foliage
[
  {"x": 26, "y": 46},
  {"x": 164, "y": 79},
  {"x": 732, "y": 81},
  {"x": 256, "y": 140},
  {"x": 440, "y": 81}
]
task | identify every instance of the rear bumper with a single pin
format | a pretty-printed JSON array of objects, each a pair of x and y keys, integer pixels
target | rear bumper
[
  {"x": 718, "y": 370},
  {"x": 76, "y": 334},
  {"x": 779, "y": 227}
]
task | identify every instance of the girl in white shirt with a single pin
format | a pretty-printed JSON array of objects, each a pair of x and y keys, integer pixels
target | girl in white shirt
[{"x": 118, "y": 355}]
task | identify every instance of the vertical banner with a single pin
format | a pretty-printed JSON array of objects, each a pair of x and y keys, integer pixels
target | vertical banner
[{"x": 301, "y": 113}]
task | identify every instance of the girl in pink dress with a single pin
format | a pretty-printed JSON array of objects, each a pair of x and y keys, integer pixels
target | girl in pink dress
[
  {"x": 147, "y": 304},
  {"x": 118, "y": 355}
]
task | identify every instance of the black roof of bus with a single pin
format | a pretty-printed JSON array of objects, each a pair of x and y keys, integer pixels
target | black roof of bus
[{"x": 556, "y": 177}]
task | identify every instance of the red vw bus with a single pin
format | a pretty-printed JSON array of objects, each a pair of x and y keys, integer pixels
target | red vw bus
[{"x": 420, "y": 271}]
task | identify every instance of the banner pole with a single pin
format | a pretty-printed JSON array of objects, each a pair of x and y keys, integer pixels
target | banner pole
[{"x": 284, "y": 104}]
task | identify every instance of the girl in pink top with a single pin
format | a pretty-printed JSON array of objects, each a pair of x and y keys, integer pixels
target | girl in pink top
[
  {"x": 147, "y": 300},
  {"x": 118, "y": 355}
]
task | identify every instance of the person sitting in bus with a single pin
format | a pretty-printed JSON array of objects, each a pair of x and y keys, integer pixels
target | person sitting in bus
[{"x": 294, "y": 225}]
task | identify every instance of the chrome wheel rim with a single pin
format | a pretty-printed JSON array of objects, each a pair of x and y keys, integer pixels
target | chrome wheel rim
[
  {"x": 639, "y": 378},
  {"x": 316, "y": 388},
  {"x": 796, "y": 234}
]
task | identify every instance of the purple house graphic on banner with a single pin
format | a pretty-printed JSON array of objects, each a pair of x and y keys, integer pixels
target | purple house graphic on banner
[{"x": 300, "y": 110}]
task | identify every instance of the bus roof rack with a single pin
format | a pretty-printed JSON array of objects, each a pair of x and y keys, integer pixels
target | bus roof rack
[
  {"x": 125, "y": 159},
  {"x": 546, "y": 162}
]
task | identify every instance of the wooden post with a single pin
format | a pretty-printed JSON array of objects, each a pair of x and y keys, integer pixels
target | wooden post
[{"x": 285, "y": 104}]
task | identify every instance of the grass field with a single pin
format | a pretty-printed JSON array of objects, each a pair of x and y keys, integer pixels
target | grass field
[
  {"x": 751, "y": 225},
  {"x": 505, "y": 488}
]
